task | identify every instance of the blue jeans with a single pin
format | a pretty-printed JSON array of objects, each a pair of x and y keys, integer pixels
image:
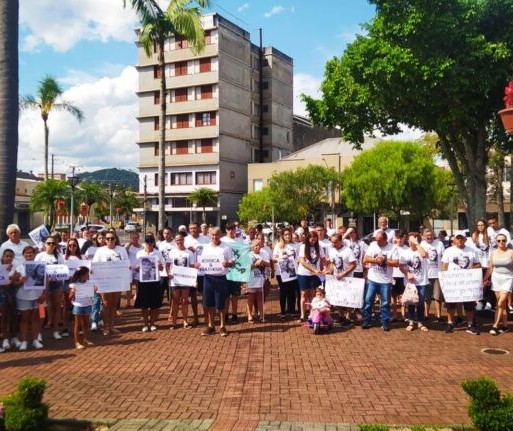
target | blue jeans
[
  {"x": 384, "y": 290},
  {"x": 422, "y": 290},
  {"x": 97, "y": 308}
]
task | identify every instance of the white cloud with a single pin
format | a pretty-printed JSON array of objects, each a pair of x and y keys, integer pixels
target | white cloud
[
  {"x": 274, "y": 11},
  {"x": 106, "y": 138},
  {"x": 307, "y": 84},
  {"x": 61, "y": 25},
  {"x": 243, "y": 7}
]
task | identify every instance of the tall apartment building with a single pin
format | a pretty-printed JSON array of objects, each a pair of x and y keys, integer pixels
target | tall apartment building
[{"x": 228, "y": 106}]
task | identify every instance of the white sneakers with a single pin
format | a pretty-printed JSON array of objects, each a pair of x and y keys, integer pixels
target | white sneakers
[
  {"x": 5, "y": 344},
  {"x": 145, "y": 329},
  {"x": 23, "y": 346},
  {"x": 37, "y": 344},
  {"x": 153, "y": 328},
  {"x": 94, "y": 326},
  {"x": 56, "y": 335},
  {"x": 15, "y": 342}
]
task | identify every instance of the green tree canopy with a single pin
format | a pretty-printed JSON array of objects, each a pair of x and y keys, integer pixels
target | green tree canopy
[
  {"x": 257, "y": 206},
  {"x": 203, "y": 197},
  {"x": 393, "y": 177},
  {"x": 436, "y": 65},
  {"x": 45, "y": 196}
]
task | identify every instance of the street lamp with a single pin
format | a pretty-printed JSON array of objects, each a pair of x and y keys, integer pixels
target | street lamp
[
  {"x": 72, "y": 181},
  {"x": 111, "y": 194}
]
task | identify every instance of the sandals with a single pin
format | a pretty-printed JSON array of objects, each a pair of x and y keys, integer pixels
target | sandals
[
  {"x": 423, "y": 328},
  {"x": 186, "y": 325},
  {"x": 410, "y": 327}
]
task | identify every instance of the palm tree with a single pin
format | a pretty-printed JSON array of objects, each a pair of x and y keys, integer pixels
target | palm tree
[
  {"x": 49, "y": 98},
  {"x": 182, "y": 18},
  {"x": 203, "y": 197},
  {"x": 92, "y": 193},
  {"x": 45, "y": 196},
  {"x": 8, "y": 109}
]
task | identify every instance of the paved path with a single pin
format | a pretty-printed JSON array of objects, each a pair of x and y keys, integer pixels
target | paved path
[{"x": 263, "y": 376}]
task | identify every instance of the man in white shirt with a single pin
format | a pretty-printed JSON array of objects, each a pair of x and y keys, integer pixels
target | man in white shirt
[
  {"x": 383, "y": 227},
  {"x": 382, "y": 257},
  {"x": 234, "y": 287},
  {"x": 14, "y": 243}
]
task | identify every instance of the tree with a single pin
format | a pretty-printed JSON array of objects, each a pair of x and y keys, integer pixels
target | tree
[
  {"x": 45, "y": 196},
  {"x": 8, "y": 109},
  {"x": 203, "y": 197},
  {"x": 394, "y": 178},
  {"x": 181, "y": 19},
  {"x": 301, "y": 193},
  {"x": 48, "y": 99},
  {"x": 435, "y": 65},
  {"x": 91, "y": 193},
  {"x": 257, "y": 206},
  {"x": 125, "y": 201}
]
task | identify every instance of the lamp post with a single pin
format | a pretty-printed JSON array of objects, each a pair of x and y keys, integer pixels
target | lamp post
[
  {"x": 72, "y": 181},
  {"x": 111, "y": 195}
]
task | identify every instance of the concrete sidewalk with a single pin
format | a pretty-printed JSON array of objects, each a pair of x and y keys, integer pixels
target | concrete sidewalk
[{"x": 276, "y": 375}]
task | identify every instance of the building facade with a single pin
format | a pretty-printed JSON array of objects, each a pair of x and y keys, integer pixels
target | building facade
[{"x": 227, "y": 106}]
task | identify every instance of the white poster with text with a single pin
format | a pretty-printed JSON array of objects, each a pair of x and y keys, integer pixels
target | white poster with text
[{"x": 347, "y": 292}]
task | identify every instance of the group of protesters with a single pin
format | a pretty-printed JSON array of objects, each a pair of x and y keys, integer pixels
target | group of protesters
[{"x": 220, "y": 267}]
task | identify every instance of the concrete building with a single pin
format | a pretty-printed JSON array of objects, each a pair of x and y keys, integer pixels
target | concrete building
[
  {"x": 228, "y": 106},
  {"x": 23, "y": 217}
]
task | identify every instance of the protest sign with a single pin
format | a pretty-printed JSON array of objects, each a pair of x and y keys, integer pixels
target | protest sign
[
  {"x": 347, "y": 292},
  {"x": 462, "y": 285},
  {"x": 111, "y": 276}
]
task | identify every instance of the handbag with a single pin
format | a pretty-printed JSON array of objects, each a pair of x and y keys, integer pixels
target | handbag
[{"x": 410, "y": 295}]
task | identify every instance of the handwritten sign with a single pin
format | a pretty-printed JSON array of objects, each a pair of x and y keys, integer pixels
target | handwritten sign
[
  {"x": 462, "y": 285},
  {"x": 111, "y": 276},
  {"x": 57, "y": 272},
  {"x": 347, "y": 292},
  {"x": 184, "y": 276}
]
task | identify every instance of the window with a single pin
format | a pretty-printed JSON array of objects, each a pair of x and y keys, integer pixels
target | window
[
  {"x": 205, "y": 119},
  {"x": 181, "y": 43},
  {"x": 256, "y": 108},
  {"x": 255, "y": 131},
  {"x": 257, "y": 153},
  {"x": 182, "y": 147},
  {"x": 265, "y": 85},
  {"x": 156, "y": 151},
  {"x": 206, "y": 146},
  {"x": 181, "y": 179},
  {"x": 181, "y": 95},
  {"x": 156, "y": 98},
  {"x": 208, "y": 37},
  {"x": 265, "y": 131},
  {"x": 157, "y": 72},
  {"x": 206, "y": 92},
  {"x": 258, "y": 185},
  {"x": 181, "y": 68},
  {"x": 206, "y": 177},
  {"x": 156, "y": 180},
  {"x": 182, "y": 121},
  {"x": 265, "y": 108},
  {"x": 156, "y": 123},
  {"x": 205, "y": 65},
  {"x": 180, "y": 202}
]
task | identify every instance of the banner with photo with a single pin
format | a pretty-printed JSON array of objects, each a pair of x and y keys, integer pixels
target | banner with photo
[
  {"x": 462, "y": 285},
  {"x": 241, "y": 270},
  {"x": 288, "y": 269},
  {"x": 347, "y": 292},
  {"x": 111, "y": 276},
  {"x": 35, "y": 272},
  {"x": 148, "y": 269},
  {"x": 39, "y": 235}
]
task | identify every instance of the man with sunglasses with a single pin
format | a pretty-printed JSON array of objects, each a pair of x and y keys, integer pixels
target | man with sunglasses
[{"x": 457, "y": 257}]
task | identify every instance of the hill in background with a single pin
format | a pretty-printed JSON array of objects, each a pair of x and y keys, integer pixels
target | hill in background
[{"x": 113, "y": 175}]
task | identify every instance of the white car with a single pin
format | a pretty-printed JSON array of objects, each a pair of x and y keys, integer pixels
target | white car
[{"x": 91, "y": 226}]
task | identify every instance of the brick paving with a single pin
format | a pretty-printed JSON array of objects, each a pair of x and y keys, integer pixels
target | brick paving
[{"x": 277, "y": 375}]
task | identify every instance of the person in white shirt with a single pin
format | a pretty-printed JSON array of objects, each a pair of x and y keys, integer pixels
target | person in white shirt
[
  {"x": 259, "y": 264},
  {"x": 435, "y": 250},
  {"x": 14, "y": 243},
  {"x": 493, "y": 230},
  {"x": 382, "y": 257},
  {"x": 165, "y": 246},
  {"x": 107, "y": 253},
  {"x": 383, "y": 227},
  {"x": 414, "y": 265},
  {"x": 132, "y": 248},
  {"x": 234, "y": 287}
]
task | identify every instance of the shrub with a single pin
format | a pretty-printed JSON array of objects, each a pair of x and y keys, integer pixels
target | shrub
[
  {"x": 488, "y": 410},
  {"x": 24, "y": 409}
]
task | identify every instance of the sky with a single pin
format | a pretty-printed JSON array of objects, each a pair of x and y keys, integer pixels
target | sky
[{"x": 88, "y": 46}]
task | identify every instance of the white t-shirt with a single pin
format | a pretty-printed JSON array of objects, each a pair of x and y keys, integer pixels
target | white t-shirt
[
  {"x": 417, "y": 265},
  {"x": 396, "y": 272},
  {"x": 132, "y": 251},
  {"x": 165, "y": 248},
  {"x": 212, "y": 258},
  {"x": 358, "y": 248},
  {"x": 154, "y": 253},
  {"x": 82, "y": 298},
  {"x": 289, "y": 250},
  {"x": 180, "y": 258},
  {"x": 49, "y": 259},
  {"x": 258, "y": 275},
  {"x": 341, "y": 259},
  {"x": 314, "y": 259},
  {"x": 483, "y": 250},
  {"x": 16, "y": 248},
  {"x": 459, "y": 258},
  {"x": 106, "y": 254},
  {"x": 381, "y": 273},
  {"x": 435, "y": 250},
  {"x": 196, "y": 246}
]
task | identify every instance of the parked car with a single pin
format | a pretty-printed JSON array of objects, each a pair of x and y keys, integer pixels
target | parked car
[
  {"x": 91, "y": 226},
  {"x": 133, "y": 226}
]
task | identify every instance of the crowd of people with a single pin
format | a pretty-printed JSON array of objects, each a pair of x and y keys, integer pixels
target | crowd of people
[{"x": 195, "y": 263}]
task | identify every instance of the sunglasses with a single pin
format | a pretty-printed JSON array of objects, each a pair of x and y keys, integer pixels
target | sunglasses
[
  {"x": 110, "y": 238},
  {"x": 501, "y": 240},
  {"x": 50, "y": 243}
]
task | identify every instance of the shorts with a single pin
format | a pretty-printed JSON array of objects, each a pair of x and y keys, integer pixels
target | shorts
[
  {"x": 27, "y": 304},
  {"x": 398, "y": 287},
  {"x": 233, "y": 288},
  {"x": 467, "y": 306},
  {"x": 308, "y": 282},
  {"x": 435, "y": 291},
  {"x": 179, "y": 287},
  {"x": 81, "y": 311},
  {"x": 54, "y": 286},
  {"x": 149, "y": 295},
  {"x": 215, "y": 291}
]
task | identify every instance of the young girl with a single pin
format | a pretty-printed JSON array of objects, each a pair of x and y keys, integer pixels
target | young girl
[
  {"x": 320, "y": 305},
  {"x": 72, "y": 253},
  {"x": 8, "y": 308},
  {"x": 81, "y": 292},
  {"x": 259, "y": 263}
]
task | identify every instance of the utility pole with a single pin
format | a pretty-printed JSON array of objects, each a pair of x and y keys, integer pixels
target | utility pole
[
  {"x": 53, "y": 165},
  {"x": 144, "y": 206}
]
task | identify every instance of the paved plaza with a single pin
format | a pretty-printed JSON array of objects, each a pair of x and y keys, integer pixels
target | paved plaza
[{"x": 264, "y": 376}]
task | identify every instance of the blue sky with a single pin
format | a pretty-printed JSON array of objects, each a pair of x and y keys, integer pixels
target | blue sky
[{"x": 88, "y": 45}]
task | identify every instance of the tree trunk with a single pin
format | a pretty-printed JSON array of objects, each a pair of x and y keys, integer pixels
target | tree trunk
[
  {"x": 162, "y": 138},
  {"x": 9, "y": 110},
  {"x": 47, "y": 134}
]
